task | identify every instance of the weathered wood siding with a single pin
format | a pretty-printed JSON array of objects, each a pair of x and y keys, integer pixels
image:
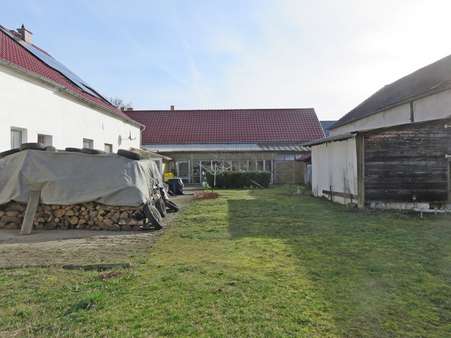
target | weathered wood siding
[{"x": 407, "y": 163}]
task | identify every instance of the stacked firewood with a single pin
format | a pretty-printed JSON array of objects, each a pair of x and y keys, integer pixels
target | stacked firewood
[{"x": 89, "y": 216}]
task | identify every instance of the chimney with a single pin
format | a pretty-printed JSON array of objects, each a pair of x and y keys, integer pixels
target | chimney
[
  {"x": 25, "y": 34},
  {"x": 172, "y": 108}
]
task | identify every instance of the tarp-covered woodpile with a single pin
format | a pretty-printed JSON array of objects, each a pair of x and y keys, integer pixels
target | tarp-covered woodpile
[
  {"x": 76, "y": 190},
  {"x": 71, "y": 178}
]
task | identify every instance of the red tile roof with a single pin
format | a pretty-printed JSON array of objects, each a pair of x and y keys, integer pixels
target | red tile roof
[
  {"x": 12, "y": 52},
  {"x": 228, "y": 126}
]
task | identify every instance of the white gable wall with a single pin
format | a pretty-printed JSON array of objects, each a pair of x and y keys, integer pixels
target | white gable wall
[
  {"x": 433, "y": 107},
  {"x": 40, "y": 109},
  {"x": 334, "y": 166},
  {"x": 428, "y": 108}
]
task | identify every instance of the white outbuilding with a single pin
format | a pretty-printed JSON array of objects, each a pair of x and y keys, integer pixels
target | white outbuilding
[
  {"x": 43, "y": 101},
  {"x": 393, "y": 149}
]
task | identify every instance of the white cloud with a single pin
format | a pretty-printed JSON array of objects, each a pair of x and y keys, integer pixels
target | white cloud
[{"x": 331, "y": 54}]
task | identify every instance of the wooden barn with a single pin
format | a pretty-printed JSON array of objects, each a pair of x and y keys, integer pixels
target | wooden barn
[
  {"x": 399, "y": 167},
  {"x": 391, "y": 150}
]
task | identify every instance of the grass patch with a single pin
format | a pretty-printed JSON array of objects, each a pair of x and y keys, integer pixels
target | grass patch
[{"x": 254, "y": 263}]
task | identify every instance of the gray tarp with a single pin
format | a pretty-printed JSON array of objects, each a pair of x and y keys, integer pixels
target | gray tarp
[{"x": 71, "y": 178}]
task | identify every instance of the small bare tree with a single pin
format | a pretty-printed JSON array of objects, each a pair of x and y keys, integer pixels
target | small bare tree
[{"x": 119, "y": 103}]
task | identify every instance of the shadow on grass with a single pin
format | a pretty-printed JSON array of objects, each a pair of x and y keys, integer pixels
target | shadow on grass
[{"x": 384, "y": 273}]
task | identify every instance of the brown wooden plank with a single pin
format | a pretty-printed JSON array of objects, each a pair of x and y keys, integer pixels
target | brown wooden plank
[
  {"x": 360, "y": 147},
  {"x": 406, "y": 161},
  {"x": 30, "y": 212}
]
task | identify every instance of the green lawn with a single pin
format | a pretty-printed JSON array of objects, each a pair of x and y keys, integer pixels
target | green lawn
[{"x": 254, "y": 263}]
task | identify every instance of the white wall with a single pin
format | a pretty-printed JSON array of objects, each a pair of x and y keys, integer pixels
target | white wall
[
  {"x": 334, "y": 164},
  {"x": 428, "y": 108},
  {"x": 27, "y": 103},
  {"x": 433, "y": 107}
]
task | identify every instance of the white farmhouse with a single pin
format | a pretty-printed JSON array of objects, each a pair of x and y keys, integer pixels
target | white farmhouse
[
  {"x": 42, "y": 101},
  {"x": 393, "y": 149}
]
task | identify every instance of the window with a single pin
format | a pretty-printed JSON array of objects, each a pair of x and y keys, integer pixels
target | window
[
  {"x": 206, "y": 165},
  {"x": 46, "y": 140},
  {"x": 183, "y": 169},
  {"x": 244, "y": 165},
  {"x": 268, "y": 165},
  {"x": 108, "y": 148},
  {"x": 18, "y": 136},
  {"x": 195, "y": 178},
  {"x": 235, "y": 165},
  {"x": 87, "y": 143},
  {"x": 217, "y": 165},
  {"x": 227, "y": 165},
  {"x": 252, "y": 165}
]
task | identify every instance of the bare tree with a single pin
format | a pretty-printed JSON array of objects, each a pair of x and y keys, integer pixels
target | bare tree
[{"x": 119, "y": 103}]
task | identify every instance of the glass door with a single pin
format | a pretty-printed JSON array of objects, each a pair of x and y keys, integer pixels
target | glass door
[
  {"x": 195, "y": 177},
  {"x": 183, "y": 170}
]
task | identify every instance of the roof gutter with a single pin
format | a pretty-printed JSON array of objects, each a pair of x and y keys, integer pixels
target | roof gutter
[
  {"x": 221, "y": 148},
  {"x": 336, "y": 138},
  {"x": 61, "y": 89}
]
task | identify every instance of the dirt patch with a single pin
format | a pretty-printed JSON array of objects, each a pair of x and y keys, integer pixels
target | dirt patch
[
  {"x": 205, "y": 195},
  {"x": 59, "y": 247}
]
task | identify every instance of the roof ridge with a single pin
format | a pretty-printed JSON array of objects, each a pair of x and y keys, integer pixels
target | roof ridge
[
  {"x": 34, "y": 66},
  {"x": 220, "y": 109},
  {"x": 427, "y": 80},
  {"x": 21, "y": 45},
  {"x": 219, "y": 126}
]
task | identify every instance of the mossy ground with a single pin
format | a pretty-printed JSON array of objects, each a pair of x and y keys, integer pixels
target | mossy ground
[{"x": 254, "y": 263}]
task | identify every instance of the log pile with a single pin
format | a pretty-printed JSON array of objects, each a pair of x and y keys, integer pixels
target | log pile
[{"x": 89, "y": 216}]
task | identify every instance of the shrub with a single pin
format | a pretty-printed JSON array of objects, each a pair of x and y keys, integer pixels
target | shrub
[{"x": 233, "y": 179}]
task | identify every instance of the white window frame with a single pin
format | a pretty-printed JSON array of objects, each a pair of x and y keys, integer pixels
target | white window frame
[
  {"x": 89, "y": 142},
  {"x": 23, "y": 136},
  {"x": 108, "y": 147},
  {"x": 48, "y": 139}
]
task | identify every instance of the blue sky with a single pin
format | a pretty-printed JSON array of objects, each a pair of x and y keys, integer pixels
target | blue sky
[{"x": 329, "y": 55}]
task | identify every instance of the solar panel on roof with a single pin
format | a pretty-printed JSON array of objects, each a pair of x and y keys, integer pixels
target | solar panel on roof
[{"x": 58, "y": 66}]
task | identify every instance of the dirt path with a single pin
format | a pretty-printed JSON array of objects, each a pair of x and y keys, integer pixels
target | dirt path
[{"x": 60, "y": 247}]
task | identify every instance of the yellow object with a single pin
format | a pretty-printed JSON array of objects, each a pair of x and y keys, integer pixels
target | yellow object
[{"x": 167, "y": 176}]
